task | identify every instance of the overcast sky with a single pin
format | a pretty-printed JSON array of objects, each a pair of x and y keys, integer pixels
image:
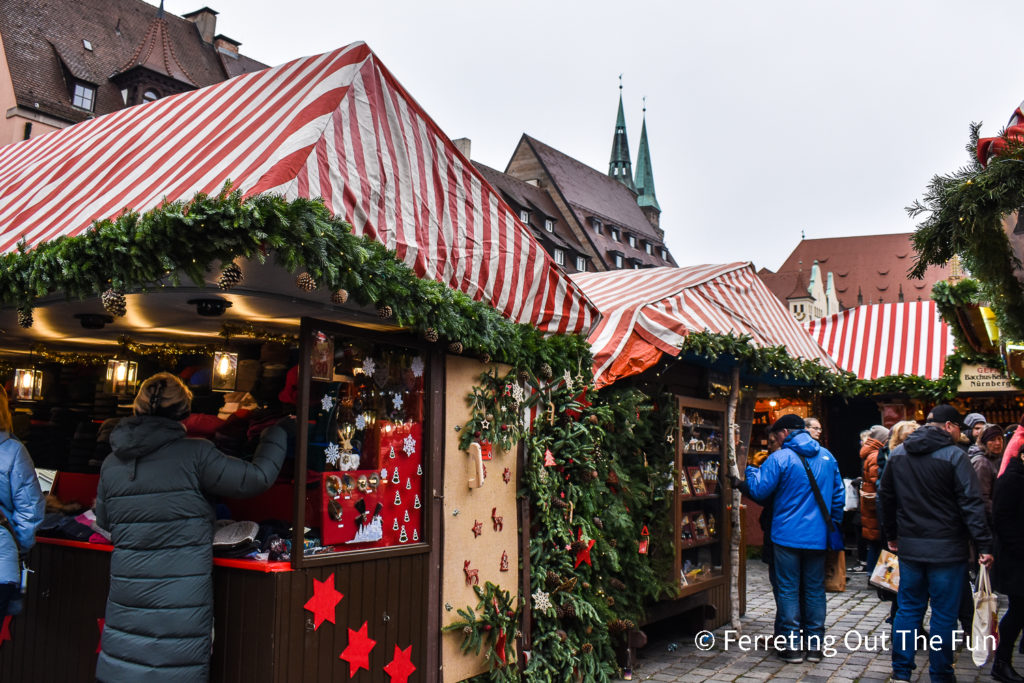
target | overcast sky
[{"x": 765, "y": 118}]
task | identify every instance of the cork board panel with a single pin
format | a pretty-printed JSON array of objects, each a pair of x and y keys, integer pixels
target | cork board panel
[{"x": 474, "y": 505}]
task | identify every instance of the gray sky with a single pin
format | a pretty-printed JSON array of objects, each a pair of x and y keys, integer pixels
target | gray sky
[{"x": 765, "y": 117}]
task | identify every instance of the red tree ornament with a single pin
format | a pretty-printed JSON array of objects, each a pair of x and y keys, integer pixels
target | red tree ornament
[
  {"x": 504, "y": 561},
  {"x": 645, "y": 539},
  {"x": 584, "y": 554},
  {"x": 401, "y": 666},
  {"x": 549, "y": 458},
  {"x": 324, "y": 602},
  {"x": 357, "y": 654}
]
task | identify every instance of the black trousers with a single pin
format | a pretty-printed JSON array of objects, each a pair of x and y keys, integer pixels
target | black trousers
[
  {"x": 1010, "y": 628},
  {"x": 8, "y": 591}
]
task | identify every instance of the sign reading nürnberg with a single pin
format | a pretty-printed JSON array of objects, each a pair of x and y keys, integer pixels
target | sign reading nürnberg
[{"x": 975, "y": 378}]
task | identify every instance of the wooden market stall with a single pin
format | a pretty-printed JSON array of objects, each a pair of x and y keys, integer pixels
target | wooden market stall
[{"x": 368, "y": 348}]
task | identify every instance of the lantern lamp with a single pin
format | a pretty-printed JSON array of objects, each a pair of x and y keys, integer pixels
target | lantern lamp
[
  {"x": 225, "y": 371},
  {"x": 28, "y": 384},
  {"x": 122, "y": 376}
]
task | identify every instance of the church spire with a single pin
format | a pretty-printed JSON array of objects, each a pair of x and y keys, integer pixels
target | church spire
[
  {"x": 644, "y": 171},
  {"x": 619, "y": 166}
]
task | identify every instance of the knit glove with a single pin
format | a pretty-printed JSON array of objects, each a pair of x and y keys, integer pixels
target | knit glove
[{"x": 757, "y": 458}]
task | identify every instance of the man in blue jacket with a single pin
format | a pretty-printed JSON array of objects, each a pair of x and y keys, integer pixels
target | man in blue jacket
[
  {"x": 799, "y": 531},
  {"x": 931, "y": 509}
]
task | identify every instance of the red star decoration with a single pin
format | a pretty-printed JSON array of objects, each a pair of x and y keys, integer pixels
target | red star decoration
[
  {"x": 324, "y": 602},
  {"x": 5, "y": 629},
  {"x": 478, "y": 529},
  {"x": 401, "y": 667},
  {"x": 583, "y": 555},
  {"x": 100, "y": 623},
  {"x": 357, "y": 654}
]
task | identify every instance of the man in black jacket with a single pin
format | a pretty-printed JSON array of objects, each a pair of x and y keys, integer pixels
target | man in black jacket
[{"x": 931, "y": 510}]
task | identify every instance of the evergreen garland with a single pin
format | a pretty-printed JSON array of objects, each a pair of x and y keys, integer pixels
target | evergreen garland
[{"x": 495, "y": 628}]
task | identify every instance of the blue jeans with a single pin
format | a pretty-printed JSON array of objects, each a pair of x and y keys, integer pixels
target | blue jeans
[
  {"x": 942, "y": 584},
  {"x": 769, "y": 557},
  {"x": 800, "y": 575}
]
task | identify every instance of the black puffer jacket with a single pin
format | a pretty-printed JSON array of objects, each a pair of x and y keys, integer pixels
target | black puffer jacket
[
  {"x": 1008, "y": 523},
  {"x": 152, "y": 498},
  {"x": 930, "y": 500}
]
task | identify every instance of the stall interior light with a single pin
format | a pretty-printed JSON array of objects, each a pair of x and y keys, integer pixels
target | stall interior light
[
  {"x": 122, "y": 376},
  {"x": 225, "y": 371},
  {"x": 28, "y": 384}
]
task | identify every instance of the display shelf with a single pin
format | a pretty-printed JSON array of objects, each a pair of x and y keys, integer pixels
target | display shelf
[
  {"x": 691, "y": 499},
  {"x": 698, "y": 544},
  {"x": 716, "y": 579}
]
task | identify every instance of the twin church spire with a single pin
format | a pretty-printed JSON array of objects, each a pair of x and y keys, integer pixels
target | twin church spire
[{"x": 620, "y": 167}]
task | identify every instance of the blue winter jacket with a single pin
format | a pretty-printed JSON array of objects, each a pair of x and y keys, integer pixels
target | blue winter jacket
[
  {"x": 796, "y": 517},
  {"x": 21, "y": 500}
]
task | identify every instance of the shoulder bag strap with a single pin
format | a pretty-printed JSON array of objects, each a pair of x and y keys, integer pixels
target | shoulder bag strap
[{"x": 817, "y": 496}]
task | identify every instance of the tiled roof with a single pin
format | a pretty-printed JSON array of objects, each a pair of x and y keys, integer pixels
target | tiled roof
[
  {"x": 38, "y": 36},
  {"x": 520, "y": 194},
  {"x": 875, "y": 265},
  {"x": 592, "y": 194}
]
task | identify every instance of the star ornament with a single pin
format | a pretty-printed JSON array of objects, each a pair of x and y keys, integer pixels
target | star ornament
[
  {"x": 401, "y": 666},
  {"x": 357, "y": 654},
  {"x": 583, "y": 555},
  {"x": 324, "y": 602},
  {"x": 478, "y": 529}
]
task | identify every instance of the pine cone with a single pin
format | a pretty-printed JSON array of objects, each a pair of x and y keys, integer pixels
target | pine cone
[
  {"x": 570, "y": 611},
  {"x": 598, "y": 523},
  {"x": 384, "y": 311},
  {"x": 339, "y": 297},
  {"x": 560, "y": 612},
  {"x": 562, "y": 635},
  {"x": 587, "y": 648},
  {"x": 455, "y": 347},
  {"x": 305, "y": 282},
  {"x": 524, "y": 376},
  {"x": 611, "y": 601},
  {"x": 114, "y": 303},
  {"x": 613, "y": 543},
  {"x": 617, "y": 585},
  {"x": 552, "y": 578},
  {"x": 586, "y": 585},
  {"x": 559, "y": 503},
  {"x": 486, "y": 358},
  {"x": 593, "y": 419},
  {"x": 578, "y": 546},
  {"x": 430, "y": 334},
  {"x": 230, "y": 276},
  {"x": 25, "y": 316},
  {"x": 545, "y": 372}
]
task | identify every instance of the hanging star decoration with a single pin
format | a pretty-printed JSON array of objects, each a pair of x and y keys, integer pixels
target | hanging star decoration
[
  {"x": 409, "y": 445},
  {"x": 357, "y": 654},
  {"x": 5, "y": 629},
  {"x": 670, "y": 438},
  {"x": 360, "y": 421},
  {"x": 584, "y": 554},
  {"x": 417, "y": 367},
  {"x": 397, "y": 401},
  {"x": 541, "y": 600},
  {"x": 324, "y": 602},
  {"x": 327, "y": 402},
  {"x": 332, "y": 454},
  {"x": 401, "y": 666},
  {"x": 478, "y": 528},
  {"x": 485, "y": 423},
  {"x": 369, "y": 367}
]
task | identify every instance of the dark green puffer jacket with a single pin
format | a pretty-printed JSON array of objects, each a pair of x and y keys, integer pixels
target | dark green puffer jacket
[{"x": 152, "y": 498}]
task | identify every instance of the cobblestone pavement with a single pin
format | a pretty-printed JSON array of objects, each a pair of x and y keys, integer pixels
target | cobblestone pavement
[{"x": 673, "y": 656}]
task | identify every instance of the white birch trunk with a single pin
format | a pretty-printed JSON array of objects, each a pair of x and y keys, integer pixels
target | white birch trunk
[{"x": 734, "y": 542}]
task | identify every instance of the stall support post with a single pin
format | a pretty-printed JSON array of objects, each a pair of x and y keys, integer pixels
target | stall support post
[{"x": 734, "y": 541}]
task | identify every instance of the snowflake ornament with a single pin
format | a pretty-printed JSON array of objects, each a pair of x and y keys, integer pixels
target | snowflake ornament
[
  {"x": 568, "y": 380},
  {"x": 518, "y": 395},
  {"x": 332, "y": 454},
  {"x": 541, "y": 600},
  {"x": 417, "y": 367},
  {"x": 397, "y": 401},
  {"x": 327, "y": 402},
  {"x": 409, "y": 445},
  {"x": 369, "y": 367},
  {"x": 360, "y": 421}
]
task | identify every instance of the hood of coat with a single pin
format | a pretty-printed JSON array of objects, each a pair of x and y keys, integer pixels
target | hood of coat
[
  {"x": 926, "y": 440},
  {"x": 801, "y": 443},
  {"x": 870, "y": 446},
  {"x": 141, "y": 435}
]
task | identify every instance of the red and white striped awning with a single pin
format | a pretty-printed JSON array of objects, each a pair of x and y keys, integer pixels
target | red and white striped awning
[
  {"x": 878, "y": 340},
  {"x": 648, "y": 312},
  {"x": 337, "y": 126}
]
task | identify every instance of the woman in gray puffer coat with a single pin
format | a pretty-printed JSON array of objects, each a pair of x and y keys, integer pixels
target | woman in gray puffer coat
[{"x": 153, "y": 498}]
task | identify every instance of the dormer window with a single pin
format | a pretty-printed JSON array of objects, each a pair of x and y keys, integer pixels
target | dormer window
[
  {"x": 664, "y": 254},
  {"x": 597, "y": 225},
  {"x": 632, "y": 240},
  {"x": 614, "y": 234},
  {"x": 150, "y": 96},
  {"x": 549, "y": 225},
  {"x": 84, "y": 96},
  {"x": 524, "y": 216},
  {"x": 617, "y": 259},
  {"x": 581, "y": 264},
  {"x": 649, "y": 248},
  {"x": 559, "y": 255}
]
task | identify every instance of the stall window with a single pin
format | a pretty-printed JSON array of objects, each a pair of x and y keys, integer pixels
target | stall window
[{"x": 364, "y": 438}]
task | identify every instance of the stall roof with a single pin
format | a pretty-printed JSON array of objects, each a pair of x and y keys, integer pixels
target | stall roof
[
  {"x": 647, "y": 312},
  {"x": 878, "y": 340},
  {"x": 337, "y": 126}
]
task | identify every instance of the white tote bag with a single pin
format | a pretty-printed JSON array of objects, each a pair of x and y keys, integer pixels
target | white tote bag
[{"x": 985, "y": 628}]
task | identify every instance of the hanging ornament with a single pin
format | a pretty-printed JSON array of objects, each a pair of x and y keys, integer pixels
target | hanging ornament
[
  {"x": 408, "y": 484},
  {"x": 403, "y": 537},
  {"x": 396, "y": 479},
  {"x": 391, "y": 456},
  {"x": 397, "y": 401},
  {"x": 114, "y": 303},
  {"x": 549, "y": 458},
  {"x": 415, "y": 535},
  {"x": 384, "y": 311},
  {"x": 455, "y": 347},
  {"x": 478, "y": 528},
  {"x": 395, "y": 525},
  {"x": 360, "y": 421},
  {"x": 472, "y": 575},
  {"x": 327, "y": 402},
  {"x": 398, "y": 498},
  {"x": 416, "y": 502},
  {"x": 503, "y": 567},
  {"x": 369, "y": 366},
  {"x": 305, "y": 282},
  {"x": 545, "y": 372},
  {"x": 25, "y": 316},
  {"x": 485, "y": 423},
  {"x": 507, "y": 475},
  {"x": 406, "y": 518},
  {"x": 430, "y": 334},
  {"x": 518, "y": 395},
  {"x": 416, "y": 367},
  {"x": 409, "y": 446},
  {"x": 419, "y": 468},
  {"x": 496, "y": 520},
  {"x": 485, "y": 359},
  {"x": 332, "y": 454},
  {"x": 583, "y": 554},
  {"x": 339, "y": 297},
  {"x": 230, "y": 275},
  {"x": 567, "y": 378},
  {"x": 645, "y": 538},
  {"x": 541, "y": 600}
]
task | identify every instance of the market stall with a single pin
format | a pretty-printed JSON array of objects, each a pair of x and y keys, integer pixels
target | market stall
[{"x": 355, "y": 329}]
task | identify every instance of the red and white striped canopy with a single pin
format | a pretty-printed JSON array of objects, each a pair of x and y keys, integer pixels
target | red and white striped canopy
[
  {"x": 648, "y": 312},
  {"x": 878, "y": 340},
  {"x": 337, "y": 126}
]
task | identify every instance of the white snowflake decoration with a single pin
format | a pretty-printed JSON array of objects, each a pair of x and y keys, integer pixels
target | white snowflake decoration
[
  {"x": 568, "y": 380},
  {"x": 518, "y": 395},
  {"x": 410, "y": 445},
  {"x": 332, "y": 454},
  {"x": 397, "y": 400},
  {"x": 417, "y": 367},
  {"x": 360, "y": 421},
  {"x": 369, "y": 367},
  {"x": 327, "y": 402},
  {"x": 541, "y": 600}
]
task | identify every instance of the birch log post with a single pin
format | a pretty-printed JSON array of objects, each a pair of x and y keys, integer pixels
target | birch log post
[{"x": 734, "y": 541}]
